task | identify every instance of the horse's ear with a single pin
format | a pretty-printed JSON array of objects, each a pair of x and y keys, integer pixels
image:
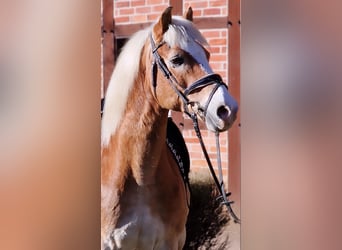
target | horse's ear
[
  {"x": 163, "y": 24},
  {"x": 188, "y": 14}
]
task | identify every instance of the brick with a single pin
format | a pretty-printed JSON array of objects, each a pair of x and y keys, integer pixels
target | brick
[
  {"x": 198, "y": 163},
  {"x": 199, "y": 4},
  {"x": 203, "y": 132},
  {"x": 153, "y": 2},
  {"x": 224, "y": 150},
  {"x": 121, "y": 4},
  {"x": 138, "y": 18},
  {"x": 217, "y": 41},
  {"x": 212, "y": 155},
  {"x": 218, "y": 57},
  {"x": 214, "y": 49},
  {"x": 197, "y": 13},
  {"x": 223, "y": 33},
  {"x": 216, "y": 66},
  {"x": 224, "y": 172},
  {"x": 138, "y": 3},
  {"x": 195, "y": 148},
  {"x": 211, "y": 33},
  {"x": 217, "y": 3},
  {"x": 213, "y": 149},
  {"x": 191, "y": 140},
  {"x": 159, "y": 8},
  {"x": 153, "y": 17},
  {"x": 197, "y": 155},
  {"x": 186, "y": 133},
  {"x": 210, "y": 140},
  {"x": 121, "y": 19},
  {"x": 199, "y": 169},
  {"x": 211, "y": 11},
  {"x": 126, "y": 11},
  {"x": 143, "y": 10}
]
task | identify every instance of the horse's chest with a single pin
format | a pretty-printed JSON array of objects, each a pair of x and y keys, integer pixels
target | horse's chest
[{"x": 138, "y": 229}]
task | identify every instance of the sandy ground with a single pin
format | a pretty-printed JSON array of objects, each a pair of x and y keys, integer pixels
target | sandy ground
[{"x": 227, "y": 238}]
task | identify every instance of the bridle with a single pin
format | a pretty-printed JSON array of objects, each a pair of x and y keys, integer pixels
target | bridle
[{"x": 210, "y": 79}]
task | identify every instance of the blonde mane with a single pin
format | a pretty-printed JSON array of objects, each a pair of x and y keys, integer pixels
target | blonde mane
[
  {"x": 181, "y": 33},
  {"x": 121, "y": 82}
]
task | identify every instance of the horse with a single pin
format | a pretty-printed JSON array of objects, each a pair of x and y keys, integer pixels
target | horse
[{"x": 144, "y": 202}]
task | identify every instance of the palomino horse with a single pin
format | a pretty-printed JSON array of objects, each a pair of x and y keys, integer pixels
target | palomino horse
[{"x": 165, "y": 67}]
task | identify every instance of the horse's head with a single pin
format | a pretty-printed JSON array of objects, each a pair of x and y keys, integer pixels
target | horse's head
[{"x": 182, "y": 78}]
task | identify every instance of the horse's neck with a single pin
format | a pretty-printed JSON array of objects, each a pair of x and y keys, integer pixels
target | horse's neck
[
  {"x": 145, "y": 140},
  {"x": 140, "y": 138}
]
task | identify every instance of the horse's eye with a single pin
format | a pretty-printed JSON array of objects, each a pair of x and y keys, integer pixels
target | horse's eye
[{"x": 177, "y": 61}]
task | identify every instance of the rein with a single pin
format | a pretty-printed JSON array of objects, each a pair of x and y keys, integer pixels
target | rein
[{"x": 210, "y": 79}]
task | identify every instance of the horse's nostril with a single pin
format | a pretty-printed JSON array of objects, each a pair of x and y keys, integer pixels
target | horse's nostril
[{"x": 223, "y": 112}]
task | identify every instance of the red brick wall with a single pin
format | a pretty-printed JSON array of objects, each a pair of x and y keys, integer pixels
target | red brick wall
[
  {"x": 136, "y": 11},
  {"x": 207, "y": 8},
  {"x": 141, "y": 11}
]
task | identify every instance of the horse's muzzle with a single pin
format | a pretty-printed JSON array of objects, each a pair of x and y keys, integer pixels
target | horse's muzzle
[{"x": 222, "y": 110}]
